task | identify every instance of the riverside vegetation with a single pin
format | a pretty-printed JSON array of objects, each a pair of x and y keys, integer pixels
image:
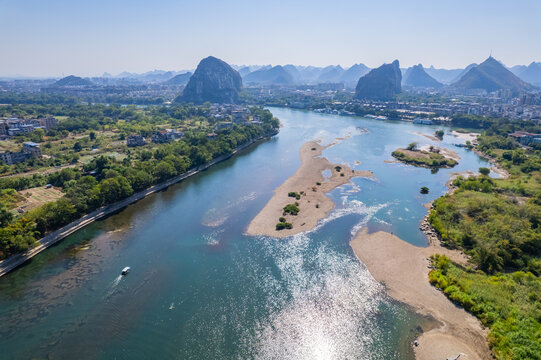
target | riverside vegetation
[
  {"x": 431, "y": 159},
  {"x": 105, "y": 178},
  {"x": 498, "y": 223}
]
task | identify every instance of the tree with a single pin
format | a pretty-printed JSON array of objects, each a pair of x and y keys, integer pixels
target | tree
[
  {"x": 5, "y": 215},
  {"x": 145, "y": 155},
  {"x": 37, "y": 135},
  {"x": 92, "y": 135},
  {"x": 164, "y": 171},
  {"x": 114, "y": 189},
  {"x": 439, "y": 134},
  {"x": 412, "y": 146},
  {"x": 484, "y": 171},
  {"x": 424, "y": 190},
  {"x": 77, "y": 147},
  {"x": 140, "y": 180}
]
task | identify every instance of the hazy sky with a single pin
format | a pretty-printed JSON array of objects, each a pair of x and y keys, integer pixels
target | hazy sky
[{"x": 89, "y": 37}]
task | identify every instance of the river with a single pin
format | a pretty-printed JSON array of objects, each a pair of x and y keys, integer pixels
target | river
[{"x": 200, "y": 289}]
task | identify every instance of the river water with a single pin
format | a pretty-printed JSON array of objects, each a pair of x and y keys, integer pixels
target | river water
[{"x": 200, "y": 289}]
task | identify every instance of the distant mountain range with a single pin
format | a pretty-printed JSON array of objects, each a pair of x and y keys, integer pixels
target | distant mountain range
[
  {"x": 180, "y": 79},
  {"x": 302, "y": 75},
  {"x": 530, "y": 73},
  {"x": 491, "y": 75},
  {"x": 444, "y": 76},
  {"x": 276, "y": 75}
]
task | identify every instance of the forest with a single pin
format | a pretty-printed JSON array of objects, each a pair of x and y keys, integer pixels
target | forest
[
  {"x": 106, "y": 179},
  {"x": 498, "y": 223}
]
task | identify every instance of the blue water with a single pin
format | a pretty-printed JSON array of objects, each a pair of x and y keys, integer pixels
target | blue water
[{"x": 201, "y": 289}]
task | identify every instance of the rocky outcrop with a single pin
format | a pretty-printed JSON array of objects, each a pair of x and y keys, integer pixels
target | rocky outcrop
[
  {"x": 416, "y": 76},
  {"x": 382, "y": 83},
  {"x": 214, "y": 81}
]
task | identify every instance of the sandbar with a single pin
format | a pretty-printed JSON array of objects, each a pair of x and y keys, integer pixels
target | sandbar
[{"x": 310, "y": 182}]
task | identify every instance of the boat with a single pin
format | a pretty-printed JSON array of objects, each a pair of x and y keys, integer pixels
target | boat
[{"x": 126, "y": 270}]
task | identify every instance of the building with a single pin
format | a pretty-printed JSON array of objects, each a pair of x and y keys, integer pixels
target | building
[
  {"x": 135, "y": 140},
  {"x": 224, "y": 125},
  {"x": 32, "y": 149},
  {"x": 526, "y": 138},
  {"x": 238, "y": 116},
  {"x": 422, "y": 121},
  {"x": 48, "y": 123},
  {"x": 174, "y": 134},
  {"x": 26, "y": 128},
  {"x": 14, "y": 131},
  {"x": 161, "y": 137}
]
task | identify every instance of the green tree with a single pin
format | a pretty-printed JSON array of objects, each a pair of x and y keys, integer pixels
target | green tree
[
  {"x": 114, "y": 189},
  {"x": 484, "y": 171},
  {"x": 5, "y": 215},
  {"x": 164, "y": 171},
  {"x": 77, "y": 147},
  {"x": 412, "y": 146}
]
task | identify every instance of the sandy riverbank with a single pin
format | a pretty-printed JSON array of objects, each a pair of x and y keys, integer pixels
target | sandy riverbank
[
  {"x": 431, "y": 137},
  {"x": 466, "y": 136},
  {"x": 313, "y": 203},
  {"x": 403, "y": 268},
  {"x": 448, "y": 153}
]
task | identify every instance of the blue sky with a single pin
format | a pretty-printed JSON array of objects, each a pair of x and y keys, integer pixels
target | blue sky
[{"x": 56, "y": 37}]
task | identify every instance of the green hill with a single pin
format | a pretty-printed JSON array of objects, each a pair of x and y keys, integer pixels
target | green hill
[{"x": 491, "y": 76}]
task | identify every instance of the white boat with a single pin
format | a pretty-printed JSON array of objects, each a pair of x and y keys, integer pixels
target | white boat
[{"x": 126, "y": 270}]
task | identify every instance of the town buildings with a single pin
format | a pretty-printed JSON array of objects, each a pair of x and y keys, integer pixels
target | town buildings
[
  {"x": 135, "y": 140},
  {"x": 30, "y": 150},
  {"x": 526, "y": 138},
  {"x": 14, "y": 126}
]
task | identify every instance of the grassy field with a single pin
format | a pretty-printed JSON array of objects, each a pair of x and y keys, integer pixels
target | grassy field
[
  {"x": 38, "y": 196},
  {"x": 423, "y": 158}
]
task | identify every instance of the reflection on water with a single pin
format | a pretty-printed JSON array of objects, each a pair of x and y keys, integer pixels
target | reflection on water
[{"x": 200, "y": 289}]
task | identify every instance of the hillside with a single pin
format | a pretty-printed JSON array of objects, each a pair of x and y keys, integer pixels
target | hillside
[
  {"x": 444, "y": 76},
  {"x": 382, "y": 83},
  {"x": 180, "y": 79},
  {"x": 351, "y": 76},
  {"x": 276, "y": 75},
  {"x": 491, "y": 76},
  {"x": 73, "y": 81},
  {"x": 213, "y": 80},
  {"x": 531, "y": 74},
  {"x": 417, "y": 77}
]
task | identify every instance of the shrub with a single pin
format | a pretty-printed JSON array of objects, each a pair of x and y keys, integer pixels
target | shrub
[
  {"x": 291, "y": 209},
  {"x": 283, "y": 225},
  {"x": 484, "y": 171},
  {"x": 412, "y": 146},
  {"x": 424, "y": 190}
]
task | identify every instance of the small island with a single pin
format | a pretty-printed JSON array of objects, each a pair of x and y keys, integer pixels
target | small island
[
  {"x": 432, "y": 157},
  {"x": 300, "y": 202}
]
